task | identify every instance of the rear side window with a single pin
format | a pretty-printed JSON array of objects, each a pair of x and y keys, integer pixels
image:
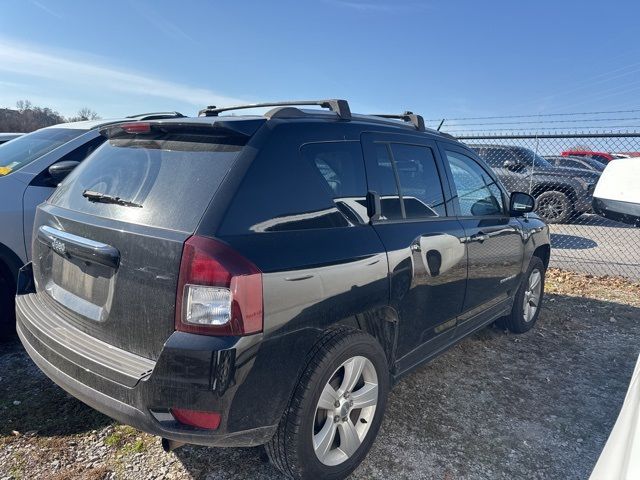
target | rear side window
[
  {"x": 172, "y": 175},
  {"x": 27, "y": 148},
  {"x": 407, "y": 179},
  {"x": 419, "y": 181},
  {"x": 385, "y": 183},
  {"x": 341, "y": 166}
]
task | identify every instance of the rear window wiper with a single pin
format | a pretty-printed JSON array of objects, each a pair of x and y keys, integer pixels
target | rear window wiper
[{"x": 104, "y": 198}]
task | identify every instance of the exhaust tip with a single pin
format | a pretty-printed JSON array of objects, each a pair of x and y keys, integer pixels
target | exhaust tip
[{"x": 170, "y": 445}]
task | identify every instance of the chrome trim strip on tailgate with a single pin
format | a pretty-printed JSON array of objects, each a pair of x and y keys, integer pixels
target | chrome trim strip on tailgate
[
  {"x": 68, "y": 244},
  {"x": 88, "y": 352}
]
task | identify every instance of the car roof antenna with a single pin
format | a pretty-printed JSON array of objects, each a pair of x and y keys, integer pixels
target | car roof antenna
[{"x": 440, "y": 126}]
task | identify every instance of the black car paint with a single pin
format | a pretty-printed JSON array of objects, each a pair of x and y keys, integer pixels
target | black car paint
[{"x": 317, "y": 273}]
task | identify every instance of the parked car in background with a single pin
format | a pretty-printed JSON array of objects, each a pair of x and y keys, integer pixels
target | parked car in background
[
  {"x": 628, "y": 155},
  {"x": 586, "y": 163},
  {"x": 5, "y": 137},
  {"x": 31, "y": 167},
  {"x": 602, "y": 157},
  {"x": 561, "y": 193},
  {"x": 216, "y": 281},
  {"x": 617, "y": 195}
]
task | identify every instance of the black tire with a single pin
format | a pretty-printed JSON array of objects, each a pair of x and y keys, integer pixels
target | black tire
[
  {"x": 554, "y": 207},
  {"x": 291, "y": 449},
  {"x": 518, "y": 321},
  {"x": 7, "y": 309}
]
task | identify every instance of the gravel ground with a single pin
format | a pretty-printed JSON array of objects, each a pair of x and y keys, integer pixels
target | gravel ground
[{"x": 497, "y": 405}]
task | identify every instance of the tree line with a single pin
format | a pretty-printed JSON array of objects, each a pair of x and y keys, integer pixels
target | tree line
[{"x": 27, "y": 117}]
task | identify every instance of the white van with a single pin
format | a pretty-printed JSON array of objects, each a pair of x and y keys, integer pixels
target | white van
[{"x": 617, "y": 194}]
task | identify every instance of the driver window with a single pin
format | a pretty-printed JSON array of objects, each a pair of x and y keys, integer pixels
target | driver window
[{"x": 477, "y": 193}]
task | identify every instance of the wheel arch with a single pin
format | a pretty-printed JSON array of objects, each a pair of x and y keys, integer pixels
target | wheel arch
[
  {"x": 10, "y": 263},
  {"x": 543, "y": 252},
  {"x": 555, "y": 187},
  {"x": 382, "y": 324}
]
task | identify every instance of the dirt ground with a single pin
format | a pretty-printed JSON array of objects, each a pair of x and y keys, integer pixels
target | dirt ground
[{"x": 497, "y": 405}]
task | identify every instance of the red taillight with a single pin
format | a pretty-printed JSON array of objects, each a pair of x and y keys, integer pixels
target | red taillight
[
  {"x": 194, "y": 418},
  {"x": 235, "y": 295},
  {"x": 136, "y": 127}
]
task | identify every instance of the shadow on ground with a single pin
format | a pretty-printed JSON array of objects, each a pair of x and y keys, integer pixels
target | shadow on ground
[
  {"x": 571, "y": 242},
  {"x": 30, "y": 402},
  {"x": 497, "y": 405}
]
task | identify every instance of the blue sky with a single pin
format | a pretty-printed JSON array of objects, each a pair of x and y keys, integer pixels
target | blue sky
[{"x": 455, "y": 58}]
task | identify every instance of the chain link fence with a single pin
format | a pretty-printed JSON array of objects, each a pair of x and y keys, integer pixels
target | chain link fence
[{"x": 561, "y": 170}]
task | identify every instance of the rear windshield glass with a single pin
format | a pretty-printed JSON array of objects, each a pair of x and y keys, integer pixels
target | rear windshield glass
[
  {"x": 27, "y": 148},
  {"x": 171, "y": 178}
]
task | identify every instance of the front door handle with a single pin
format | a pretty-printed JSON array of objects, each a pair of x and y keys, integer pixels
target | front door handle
[{"x": 477, "y": 237}]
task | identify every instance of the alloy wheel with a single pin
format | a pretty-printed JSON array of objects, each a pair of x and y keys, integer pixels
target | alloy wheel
[
  {"x": 532, "y": 295},
  {"x": 345, "y": 411},
  {"x": 551, "y": 208}
]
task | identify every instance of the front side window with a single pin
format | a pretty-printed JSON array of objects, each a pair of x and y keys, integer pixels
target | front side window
[{"x": 477, "y": 193}]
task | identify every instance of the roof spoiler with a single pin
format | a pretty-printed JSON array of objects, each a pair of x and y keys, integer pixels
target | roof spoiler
[{"x": 341, "y": 107}]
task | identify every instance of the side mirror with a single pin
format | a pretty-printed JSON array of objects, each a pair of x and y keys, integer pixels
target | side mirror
[
  {"x": 521, "y": 203},
  {"x": 58, "y": 171},
  {"x": 513, "y": 166}
]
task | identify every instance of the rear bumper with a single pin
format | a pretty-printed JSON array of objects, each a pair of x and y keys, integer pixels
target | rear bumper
[
  {"x": 193, "y": 372},
  {"x": 583, "y": 204},
  {"x": 625, "y": 212}
]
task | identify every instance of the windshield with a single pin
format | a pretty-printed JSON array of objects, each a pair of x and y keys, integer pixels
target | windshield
[
  {"x": 529, "y": 157},
  {"x": 25, "y": 149}
]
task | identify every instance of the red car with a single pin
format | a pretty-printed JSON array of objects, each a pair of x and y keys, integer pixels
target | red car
[{"x": 602, "y": 157}]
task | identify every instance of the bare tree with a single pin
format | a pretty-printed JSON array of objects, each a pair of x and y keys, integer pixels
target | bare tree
[
  {"x": 23, "y": 105},
  {"x": 27, "y": 117},
  {"x": 84, "y": 114}
]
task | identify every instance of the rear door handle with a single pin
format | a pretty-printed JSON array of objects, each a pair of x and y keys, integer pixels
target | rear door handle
[{"x": 69, "y": 245}]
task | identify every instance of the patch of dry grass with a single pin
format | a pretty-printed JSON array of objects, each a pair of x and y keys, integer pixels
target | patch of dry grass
[{"x": 607, "y": 288}]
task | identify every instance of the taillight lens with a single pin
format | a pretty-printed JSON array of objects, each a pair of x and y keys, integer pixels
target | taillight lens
[
  {"x": 194, "y": 418},
  {"x": 219, "y": 291}
]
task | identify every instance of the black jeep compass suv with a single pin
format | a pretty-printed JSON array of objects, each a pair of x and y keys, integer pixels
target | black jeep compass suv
[{"x": 246, "y": 280}]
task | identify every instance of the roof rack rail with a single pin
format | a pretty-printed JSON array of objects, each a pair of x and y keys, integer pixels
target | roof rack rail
[
  {"x": 341, "y": 107},
  {"x": 407, "y": 116},
  {"x": 156, "y": 115}
]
